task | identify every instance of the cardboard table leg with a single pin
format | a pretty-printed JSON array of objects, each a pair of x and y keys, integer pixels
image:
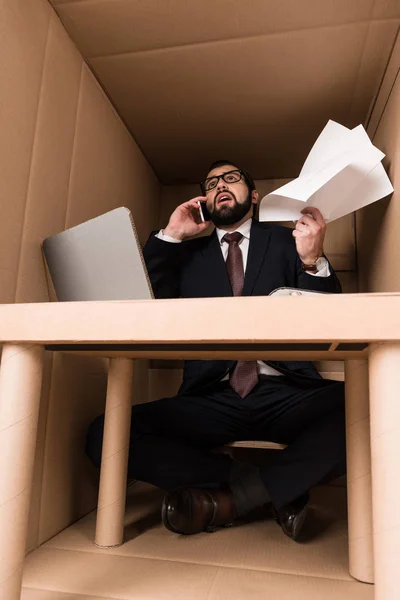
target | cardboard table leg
[
  {"x": 114, "y": 461},
  {"x": 21, "y": 375},
  {"x": 361, "y": 560},
  {"x": 384, "y": 384}
]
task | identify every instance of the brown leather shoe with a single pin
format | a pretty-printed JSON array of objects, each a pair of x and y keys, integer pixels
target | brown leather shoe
[
  {"x": 292, "y": 517},
  {"x": 189, "y": 510}
]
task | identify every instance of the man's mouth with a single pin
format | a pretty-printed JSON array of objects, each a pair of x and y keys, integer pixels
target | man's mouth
[{"x": 223, "y": 197}]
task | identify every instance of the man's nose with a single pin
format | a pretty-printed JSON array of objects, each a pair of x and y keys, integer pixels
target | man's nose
[{"x": 221, "y": 185}]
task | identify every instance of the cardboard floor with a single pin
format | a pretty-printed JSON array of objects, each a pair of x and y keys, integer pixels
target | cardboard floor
[{"x": 251, "y": 560}]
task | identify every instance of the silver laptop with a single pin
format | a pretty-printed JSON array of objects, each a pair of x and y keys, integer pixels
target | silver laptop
[{"x": 100, "y": 259}]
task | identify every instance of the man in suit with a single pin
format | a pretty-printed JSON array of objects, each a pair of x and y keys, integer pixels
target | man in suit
[{"x": 173, "y": 439}]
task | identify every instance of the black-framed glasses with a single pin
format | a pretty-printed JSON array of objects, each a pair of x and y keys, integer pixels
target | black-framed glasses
[{"x": 229, "y": 177}]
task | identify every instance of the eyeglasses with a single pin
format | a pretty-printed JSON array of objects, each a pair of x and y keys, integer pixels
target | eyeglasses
[{"x": 230, "y": 177}]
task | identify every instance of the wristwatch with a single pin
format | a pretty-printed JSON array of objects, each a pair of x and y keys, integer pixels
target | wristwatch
[{"x": 314, "y": 267}]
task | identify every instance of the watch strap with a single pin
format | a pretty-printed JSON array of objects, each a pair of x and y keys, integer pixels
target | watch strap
[{"x": 311, "y": 268}]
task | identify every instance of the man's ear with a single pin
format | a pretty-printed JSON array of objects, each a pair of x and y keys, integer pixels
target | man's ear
[{"x": 255, "y": 197}]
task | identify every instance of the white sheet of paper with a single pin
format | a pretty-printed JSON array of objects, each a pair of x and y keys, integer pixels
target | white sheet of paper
[
  {"x": 373, "y": 187},
  {"x": 334, "y": 140},
  {"x": 342, "y": 173}
]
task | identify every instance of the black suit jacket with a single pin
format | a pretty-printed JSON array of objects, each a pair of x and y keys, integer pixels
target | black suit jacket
[{"x": 196, "y": 269}]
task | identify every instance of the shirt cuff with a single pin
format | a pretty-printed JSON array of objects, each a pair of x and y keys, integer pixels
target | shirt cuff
[
  {"x": 323, "y": 269},
  {"x": 167, "y": 238}
]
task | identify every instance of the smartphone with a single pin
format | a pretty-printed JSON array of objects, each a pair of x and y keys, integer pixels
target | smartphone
[{"x": 203, "y": 210}]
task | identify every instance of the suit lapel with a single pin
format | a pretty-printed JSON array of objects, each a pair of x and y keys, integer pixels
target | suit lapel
[
  {"x": 259, "y": 240},
  {"x": 213, "y": 256}
]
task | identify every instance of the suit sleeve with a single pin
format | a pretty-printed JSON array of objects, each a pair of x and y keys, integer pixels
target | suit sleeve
[{"x": 163, "y": 261}]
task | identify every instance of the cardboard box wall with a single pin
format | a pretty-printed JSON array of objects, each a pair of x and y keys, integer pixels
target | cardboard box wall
[
  {"x": 66, "y": 157},
  {"x": 378, "y": 225},
  {"x": 279, "y": 69}
]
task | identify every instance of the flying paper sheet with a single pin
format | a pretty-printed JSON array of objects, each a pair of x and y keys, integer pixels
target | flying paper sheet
[{"x": 342, "y": 173}]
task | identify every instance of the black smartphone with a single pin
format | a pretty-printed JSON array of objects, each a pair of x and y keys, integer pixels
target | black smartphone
[{"x": 203, "y": 210}]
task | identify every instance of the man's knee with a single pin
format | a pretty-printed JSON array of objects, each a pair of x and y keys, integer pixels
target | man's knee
[
  {"x": 142, "y": 422},
  {"x": 145, "y": 419},
  {"x": 334, "y": 397},
  {"x": 94, "y": 440}
]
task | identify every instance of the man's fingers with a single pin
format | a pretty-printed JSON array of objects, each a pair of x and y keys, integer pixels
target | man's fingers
[
  {"x": 204, "y": 225},
  {"x": 316, "y": 215},
  {"x": 194, "y": 201},
  {"x": 302, "y": 227},
  {"x": 300, "y": 233},
  {"x": 309, "y": 223}
]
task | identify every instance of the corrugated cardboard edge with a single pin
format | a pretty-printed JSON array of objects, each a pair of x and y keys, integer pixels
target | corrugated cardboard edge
[
  {"x": 388, "y": 81},
  {"x": 140, "y": 250},
  {"x": 50, "y": 286}
]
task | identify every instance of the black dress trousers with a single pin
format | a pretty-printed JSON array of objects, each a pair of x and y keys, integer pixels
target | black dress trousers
[{"x": 172, "y": 439}]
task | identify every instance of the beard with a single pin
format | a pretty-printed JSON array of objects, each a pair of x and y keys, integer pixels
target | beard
[{"x": 229, "y": 215}]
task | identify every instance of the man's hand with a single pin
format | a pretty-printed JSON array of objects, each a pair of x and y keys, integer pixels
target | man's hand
[
  {"x": 185, "y": 221},
  {"x": 309, "y": 235}
]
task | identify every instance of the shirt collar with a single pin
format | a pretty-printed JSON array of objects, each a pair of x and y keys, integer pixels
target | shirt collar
[{"x": 244, "y": 229}]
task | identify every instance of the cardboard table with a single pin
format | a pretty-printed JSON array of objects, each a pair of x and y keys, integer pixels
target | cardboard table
[{"x": 362, "y": 330}]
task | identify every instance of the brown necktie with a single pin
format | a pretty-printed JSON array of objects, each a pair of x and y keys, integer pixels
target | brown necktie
[{"x": 245, "y": 375}]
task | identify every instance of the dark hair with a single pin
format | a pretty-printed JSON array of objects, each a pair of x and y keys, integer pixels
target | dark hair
[{"x": 246, "y": 175}]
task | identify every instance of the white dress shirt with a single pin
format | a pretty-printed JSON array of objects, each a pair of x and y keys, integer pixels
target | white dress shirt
[{"x": 244, "y": 229}]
